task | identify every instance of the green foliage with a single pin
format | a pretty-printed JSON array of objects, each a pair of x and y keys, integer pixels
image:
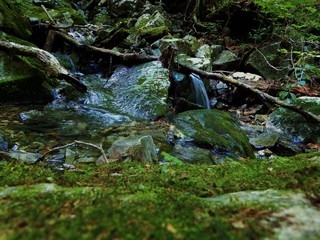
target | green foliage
[
  {"x": 305, "y": 70},
  {"x": 296, "y": 17}
]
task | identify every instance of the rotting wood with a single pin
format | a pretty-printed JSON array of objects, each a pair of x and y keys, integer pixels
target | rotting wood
[{"x": 52, "y": 67}]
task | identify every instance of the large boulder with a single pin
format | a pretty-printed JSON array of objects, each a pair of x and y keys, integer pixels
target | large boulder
[
  {"x": 294, "y": 126},
  {"x": 140, "y": 91},
  {"x": 214, "y": 130}
]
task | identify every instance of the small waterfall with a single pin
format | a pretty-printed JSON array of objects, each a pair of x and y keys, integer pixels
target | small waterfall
[{"x": 200, "y": 95}]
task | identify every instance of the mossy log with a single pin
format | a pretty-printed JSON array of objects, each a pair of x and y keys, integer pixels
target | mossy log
[{"x": 52, "y": 67}]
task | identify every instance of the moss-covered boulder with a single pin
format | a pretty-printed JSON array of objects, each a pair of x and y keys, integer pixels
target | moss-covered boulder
[
  {"x": 214, "y": 130},
  {"x": 61, "y": 11},
  {"x": 294, "y": 126},
  {"x": 21, "y": 82},
  {"x": 140, "y": 91},
  {"x": 12, "y": 20}
]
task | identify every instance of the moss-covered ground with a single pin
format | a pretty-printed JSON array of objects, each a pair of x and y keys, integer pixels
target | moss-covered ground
[{"x": 139, "y": 201}]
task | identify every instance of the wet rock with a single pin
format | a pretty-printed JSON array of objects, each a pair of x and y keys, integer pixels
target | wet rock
[
  {"x": 140, "y": 91},
  {"x": 3, "y": 143},
  {"x": 25, "y": 157},
  {"x": 257, "y": 63},
  {"x": 192, "y": 154},
  {"x": 293, "y": 125},
  {"x": 225, "y": 60},
  {"x": 214, "y": 130},
  {"x": 264, "y": 140},
  {"x": 135, "y": 148}
]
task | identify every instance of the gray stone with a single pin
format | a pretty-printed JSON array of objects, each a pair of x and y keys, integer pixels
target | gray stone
[
  {"x": 264, "y": 140},
  {"x": 135, "y": 148},
  {"x": 294, "y": 126},
  {"x": 181, "y": 45},
  {"x": 225, "y": 60},
  {"x": 193, "y": 154},
  {"x": 257, "y": 62},
  {"x": 295, "y": 219}
]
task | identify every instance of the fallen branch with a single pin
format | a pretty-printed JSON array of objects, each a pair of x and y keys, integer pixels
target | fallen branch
[
  {"x": 52, "y": 66},
  {"x": 79, "y": 142},
  {"x": 264, "y": 96},
  {"x": 124, "y": 57}
]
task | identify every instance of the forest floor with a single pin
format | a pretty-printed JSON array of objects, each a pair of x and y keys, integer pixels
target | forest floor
[{"x": 143, "y": 201}]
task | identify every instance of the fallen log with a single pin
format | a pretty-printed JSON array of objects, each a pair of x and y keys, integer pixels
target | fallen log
[
  {"x": 52, "y": 67},
  {"x": 262, "y": 95}
]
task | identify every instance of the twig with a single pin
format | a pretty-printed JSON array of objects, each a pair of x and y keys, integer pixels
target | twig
[
  {"x": 83, "y": 143},
  {"x": 270, "y": 65},
  {"x": 45, "y": 10}
]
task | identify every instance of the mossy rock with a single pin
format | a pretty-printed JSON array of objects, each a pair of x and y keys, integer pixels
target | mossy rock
[
  {"x": 140, "y": 91},
  {"x": 61, "y": 12},
  {"x": 213, "y": 129},
  {"x": 21, "y": 82},
  {"x": 293, "y": 125},
  {"x": 12, "y": 20}
]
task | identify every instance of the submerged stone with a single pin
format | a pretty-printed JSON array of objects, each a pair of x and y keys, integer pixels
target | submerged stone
[
  {"x": 135, "y": 148},
  {"x": 213, "y": 129}
]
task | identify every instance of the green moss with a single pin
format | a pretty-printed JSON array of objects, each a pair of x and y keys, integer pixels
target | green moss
[
  {"x": 135, "y": 201},
  {"x": 214, "y": 129},
  {"x": 57, "y": 13},
  {"x": 12, "y": 20}
]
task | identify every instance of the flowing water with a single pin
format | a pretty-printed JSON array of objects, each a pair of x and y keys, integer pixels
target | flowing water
[
  {"x": 72, "y": 116},
  {"x": 200, "y": 95}
]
